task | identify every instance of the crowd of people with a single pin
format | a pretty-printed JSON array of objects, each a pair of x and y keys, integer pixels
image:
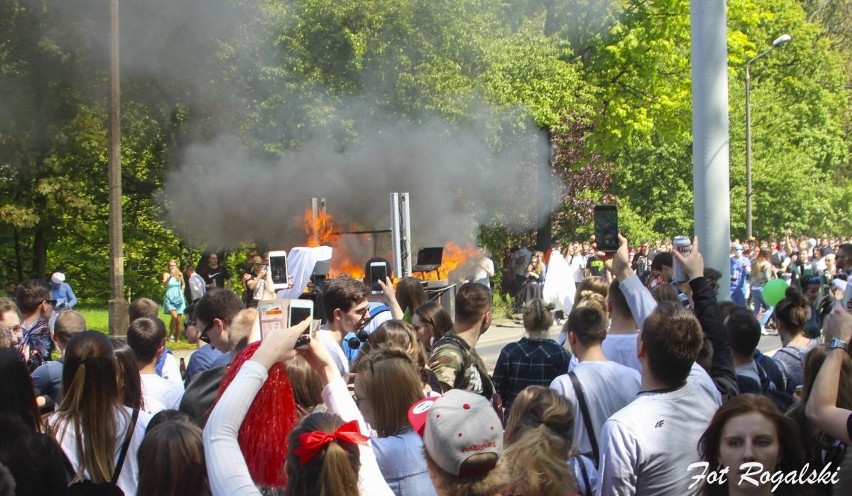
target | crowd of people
[{"x": 652, "y": 386}]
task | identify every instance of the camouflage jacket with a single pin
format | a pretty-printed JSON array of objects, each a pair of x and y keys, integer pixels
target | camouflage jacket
[{"x": 458, "y": 366}]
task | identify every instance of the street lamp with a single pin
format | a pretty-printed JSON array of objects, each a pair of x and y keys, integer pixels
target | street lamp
[{"x": 781, "y": 40}]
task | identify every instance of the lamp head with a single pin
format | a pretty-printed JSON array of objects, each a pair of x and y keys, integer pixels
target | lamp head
[{"x": 784, "y": 38}]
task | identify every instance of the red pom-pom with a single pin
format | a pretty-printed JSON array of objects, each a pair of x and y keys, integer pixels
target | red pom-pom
[{"x": 267, "y": 425}]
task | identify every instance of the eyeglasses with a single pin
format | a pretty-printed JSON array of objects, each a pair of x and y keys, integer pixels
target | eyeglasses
[
  {"x": 188, "y": 323},
  {"x": 362, "y": 311},
  {"x": 203, "y": 336},
  {"x": 357, "y": 399}
]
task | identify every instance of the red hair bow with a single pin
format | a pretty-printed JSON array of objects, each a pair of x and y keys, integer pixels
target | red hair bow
[{"x": 313, "y": 442}]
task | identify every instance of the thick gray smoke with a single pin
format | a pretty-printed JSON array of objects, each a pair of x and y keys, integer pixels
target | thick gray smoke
[{"x": 222, "y": 195}]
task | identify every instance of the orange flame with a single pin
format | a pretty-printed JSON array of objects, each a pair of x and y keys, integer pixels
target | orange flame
[
  {"x": 457, "y": 263},
  {"x": 321, "y": 230}
]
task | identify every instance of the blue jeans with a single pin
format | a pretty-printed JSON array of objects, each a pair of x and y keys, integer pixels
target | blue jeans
[{"x": 757, "y": 302}]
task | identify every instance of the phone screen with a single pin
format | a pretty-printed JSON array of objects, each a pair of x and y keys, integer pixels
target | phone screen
[
  {"x": 271, "y": 317},
  {"x": 606, "y": 227},
  {"x": 278, "y": 268},
  {"x": 378, "y": 272},
  {"x": 298, "y": 314}
]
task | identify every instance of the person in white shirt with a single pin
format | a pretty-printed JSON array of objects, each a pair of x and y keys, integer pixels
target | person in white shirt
[
  {"x": 147, "y": 339},
  {"x": 606, "y": 386},
  {"x": 197, "y": 286},
  {"x": 647, "y": 446},
  {"x": 306, "y": 460},
  {"x": 621, "y": 339},
  {"x": 346, "y": 310}
]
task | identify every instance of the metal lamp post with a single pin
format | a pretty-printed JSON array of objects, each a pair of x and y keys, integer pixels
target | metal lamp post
[{"x": 781, "y": 40}]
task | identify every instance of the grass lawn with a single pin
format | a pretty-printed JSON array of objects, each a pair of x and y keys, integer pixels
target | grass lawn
[{"x": 97, "y": 319}]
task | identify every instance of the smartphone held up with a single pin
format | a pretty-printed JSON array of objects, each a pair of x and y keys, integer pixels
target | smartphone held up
[{"x": 606, "y": 227}]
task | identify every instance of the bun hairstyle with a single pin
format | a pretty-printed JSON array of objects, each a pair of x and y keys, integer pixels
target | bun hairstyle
[
  {"x": 538, "y": 316},
  {"x": 792, "y": 311}
]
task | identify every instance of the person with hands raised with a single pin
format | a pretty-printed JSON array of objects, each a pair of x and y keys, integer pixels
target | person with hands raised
[
  {"x": 712, "y": 322},
  {"x": 341, "y": 456},
  {"x": 641, "y": 301},
  {"x": 822, "y": 407}
]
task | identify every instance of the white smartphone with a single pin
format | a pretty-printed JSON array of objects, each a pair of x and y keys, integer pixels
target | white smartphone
[
  {"x": 271, "y": 316},
  {"x": 278, "y": 269},
  {"x": 300, "y": 310},
  {"x": 378, "y": 272}
]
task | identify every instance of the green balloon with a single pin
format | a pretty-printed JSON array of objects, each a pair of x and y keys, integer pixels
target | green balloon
[{"x": 773, "y": 291}]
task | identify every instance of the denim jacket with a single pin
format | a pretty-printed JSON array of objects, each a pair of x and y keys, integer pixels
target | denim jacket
[{"x": 402, "y": 463}]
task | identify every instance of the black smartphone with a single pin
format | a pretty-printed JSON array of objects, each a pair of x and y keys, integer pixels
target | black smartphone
[
  {"x": 606, "y": 227},
  {"x": 378, "y": 272}
]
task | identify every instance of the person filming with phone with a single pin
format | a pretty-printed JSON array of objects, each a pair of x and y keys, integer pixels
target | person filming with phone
[{"x": 254, "y": 281}]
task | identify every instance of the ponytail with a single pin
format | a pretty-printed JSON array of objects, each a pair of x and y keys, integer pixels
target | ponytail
[
  {"x": 328, "y": 470},
  {"x": 337, "y": 476}
]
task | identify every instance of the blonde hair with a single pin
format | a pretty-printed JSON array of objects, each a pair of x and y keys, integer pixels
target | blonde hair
[
  {"x": 401, "y": 335},
  {"x": 538, "y": 317},
  {"x": 538, "y": 441},
  {"x": 595, "y": 284},
  {"x": 592, "y": 299},
  {"x": 178, "y": 274}
]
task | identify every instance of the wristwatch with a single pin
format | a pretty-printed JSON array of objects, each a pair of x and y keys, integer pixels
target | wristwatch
[{"x": 838, "y": 343}]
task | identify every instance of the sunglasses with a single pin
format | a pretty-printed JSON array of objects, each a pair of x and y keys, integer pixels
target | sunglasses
[
  {"x": 50, "y": 302},
  {"x": 203, "y": 336}
]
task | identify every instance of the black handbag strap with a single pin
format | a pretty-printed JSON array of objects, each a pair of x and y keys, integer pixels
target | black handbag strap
[
  {"x": 587, "y": 421},
  {"x": 587, "y": 489},
  {"x": 130, "y": 428}
]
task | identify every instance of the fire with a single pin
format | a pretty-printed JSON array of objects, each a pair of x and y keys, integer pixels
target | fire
[
  {"x": 458, "y": 259},
  {"x": 351, "y": 251},
  {"x": 323, "y": 230}
]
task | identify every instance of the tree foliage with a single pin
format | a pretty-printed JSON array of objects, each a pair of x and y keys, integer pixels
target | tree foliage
[{"x": 609, "y": 81}]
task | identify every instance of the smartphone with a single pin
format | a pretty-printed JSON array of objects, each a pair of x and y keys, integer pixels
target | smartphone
[
  {"x": 278, "y": 269},
  {"x": 378, "y": 272},
  {"x": 271, "y": 316},
  {"x": 606, "y": 227},
  {"x": 298, "y": 311}
]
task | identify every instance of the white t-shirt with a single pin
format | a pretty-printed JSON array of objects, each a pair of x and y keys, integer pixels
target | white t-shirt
[
  {"x": 128, "y": 480},
  {"x": 327, "y": 339},
  {"x": 621, "y": 348},
  {"x": 166, "y": 392},
  {"x": 647, "y": 446},
  {"x": 607, "y": 386}
]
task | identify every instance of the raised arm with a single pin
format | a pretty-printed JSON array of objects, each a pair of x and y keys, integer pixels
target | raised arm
[
  {"x": 822, "y": 407},
  {"x": 710, "y": 317},
  {"x": 639, "y": 299}
]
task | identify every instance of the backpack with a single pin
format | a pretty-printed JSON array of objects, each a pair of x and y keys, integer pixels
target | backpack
[
  {"x": 86, "y": 487},
  {"x": 467, "y": 362}
]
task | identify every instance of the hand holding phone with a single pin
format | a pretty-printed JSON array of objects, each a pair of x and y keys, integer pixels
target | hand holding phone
[
  {"x": 606, "y": 227},
  {"x": 378, "y": 272},
  {"x": 278, "y": 269},
  {"x": 298, "y": 312}
]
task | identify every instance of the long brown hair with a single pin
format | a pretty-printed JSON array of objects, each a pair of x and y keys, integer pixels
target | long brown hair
[
  {"x": 435, "y": 315},
  {"x": 171, "y": 461},
  {"x": 332, "y": 472},
  {"x": 788, "y": 436},
  {"x": 89, "y": 404},
  {"x": 389, "y": 369}
]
